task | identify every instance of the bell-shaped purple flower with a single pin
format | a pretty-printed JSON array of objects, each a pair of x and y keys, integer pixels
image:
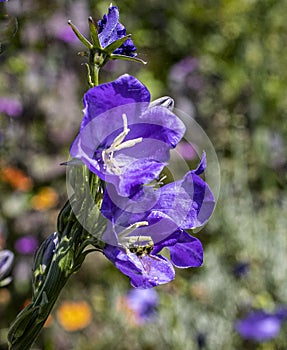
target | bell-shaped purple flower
[
  {"x": 137, "y": 256},
  {"x": 188, "y": 202},
  {"x": 123, "y": 139},
  {"x": 111, "y": 30},
  {"x": 141, "y": 226}
]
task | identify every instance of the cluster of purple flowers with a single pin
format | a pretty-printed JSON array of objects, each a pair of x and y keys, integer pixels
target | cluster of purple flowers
[{"x": 125, "y": 139}]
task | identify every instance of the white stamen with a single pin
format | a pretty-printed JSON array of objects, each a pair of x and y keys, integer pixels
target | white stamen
[
  {"x": 118, "y": 145},
  {"x": 131, "y": 228}
]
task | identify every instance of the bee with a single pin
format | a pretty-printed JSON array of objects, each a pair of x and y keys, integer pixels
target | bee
[{"x": 140, "y": 246}]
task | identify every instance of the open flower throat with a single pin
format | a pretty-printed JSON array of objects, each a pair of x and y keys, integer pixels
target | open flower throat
[{"x": 111, "y": 164}]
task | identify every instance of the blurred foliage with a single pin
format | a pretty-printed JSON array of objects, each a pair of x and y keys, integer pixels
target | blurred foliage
[{"x": 232, "y": 58}]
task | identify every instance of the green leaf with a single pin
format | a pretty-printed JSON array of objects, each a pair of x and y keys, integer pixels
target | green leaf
[
  {"x": 116, "y": 44},
  {"x": 80, "y": 35},
  {"x": 94, "y": 34},
  {"x": 127, "y": 58}
]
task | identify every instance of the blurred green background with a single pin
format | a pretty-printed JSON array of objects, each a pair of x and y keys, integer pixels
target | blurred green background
[{"x": 224, "y": 63}]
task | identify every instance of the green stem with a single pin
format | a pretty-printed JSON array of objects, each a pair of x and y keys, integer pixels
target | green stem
[
  {"x": 95, "y": 75},
  {"x": 96, "y": 61},
  {"x": 67, "y": 259},
  {"x": 30, "y": 322}
]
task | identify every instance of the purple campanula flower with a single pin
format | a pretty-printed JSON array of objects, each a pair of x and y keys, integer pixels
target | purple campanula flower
[
  {"x": 110, "y": 30},
  {"x": 188, "y": 202},
  {"x": 261, "y": 325},
  {"x": 10, "y": 106},
  {"x": 139, "y": 228},
  {"x": 143, "y": 302},
  {"x": 123, "y": 139},
  {"x": 64, "y": 34},
  {"x": 26, "y": 245}
]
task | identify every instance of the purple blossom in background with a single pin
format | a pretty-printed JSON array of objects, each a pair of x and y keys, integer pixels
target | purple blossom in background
[
  {"x": 180, "y": 205},
  {"x": 6, "y": 262},
  {"x": 185, "y": 74},
  {"x": 26, "y": 245},
  {"x": 123, "y": 139},
  {"x": 261, "y": 325},
  {"x": 65, "y": 34},
  {"x": 144, "y": 303},
  {"x": 110, "y": 30},
  {"x": 10, "y": 106},
  {"x": 186, "y": 150}
]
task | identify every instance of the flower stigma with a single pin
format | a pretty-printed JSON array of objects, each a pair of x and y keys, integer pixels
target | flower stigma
[{"x": 118, "y": 144}]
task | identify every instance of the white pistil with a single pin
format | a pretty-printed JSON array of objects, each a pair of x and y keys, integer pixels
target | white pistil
[{"x": 118, "y": 145}]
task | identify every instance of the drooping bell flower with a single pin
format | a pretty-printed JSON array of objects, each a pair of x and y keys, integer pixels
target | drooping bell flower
[
  {"x": 123, "y": 139},
  {"x": 141, "y": 226}
]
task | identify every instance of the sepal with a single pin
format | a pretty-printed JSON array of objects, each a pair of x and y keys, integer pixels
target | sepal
[{"x": 127, "y": 58}]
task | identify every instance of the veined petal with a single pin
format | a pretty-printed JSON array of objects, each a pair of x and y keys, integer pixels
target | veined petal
[
  {"x": 185, "y": 250},
  {"x": 140, "y": 172},
  {"x": 107, "y": 27},
  {"x": 110, "y": 30},
  {"x": 144, "y": 272},
  {"x": 189, "y": 202},
  {"x": 172, "y": 128},
  {"x": 122, "y": 91}
]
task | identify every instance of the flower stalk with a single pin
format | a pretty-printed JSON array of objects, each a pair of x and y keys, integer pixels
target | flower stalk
[
  {"x": 60, "y": 256},
  {"x": 80, "y": 223}
]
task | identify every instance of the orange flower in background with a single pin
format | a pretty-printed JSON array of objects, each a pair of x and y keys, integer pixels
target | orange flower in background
[
  {"x": 16, "y": 178},
  {"x": 74, "y": 316},
  {"x": 46, "y": 198}
]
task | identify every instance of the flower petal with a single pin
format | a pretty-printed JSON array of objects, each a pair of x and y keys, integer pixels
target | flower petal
[
  {"x": 185, "y": 250},
  {"x": 144, "y": 272},
  {"x": 124, "y": 90},
  {"x": 201, "y": 166},
  {"x": 141, "y": 172},
  {"x": 107, "y": 27},
  {"x": 189, "y": 202},
  {"x": 110, "y": 30}
]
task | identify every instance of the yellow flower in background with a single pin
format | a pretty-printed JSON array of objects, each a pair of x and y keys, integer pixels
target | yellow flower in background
[
  {"x": 46, "y": 198},
  {"x": 74, "y": 316}
]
